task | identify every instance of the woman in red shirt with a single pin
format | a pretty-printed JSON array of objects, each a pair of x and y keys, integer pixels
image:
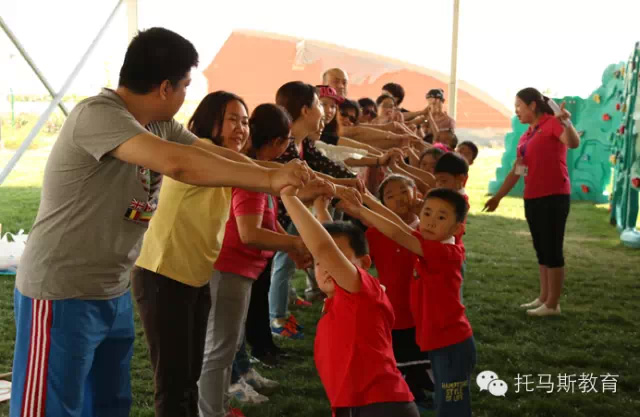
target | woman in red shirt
[
  {"x": 542, "y": 160},
  {"x": 252, "y": 234}
]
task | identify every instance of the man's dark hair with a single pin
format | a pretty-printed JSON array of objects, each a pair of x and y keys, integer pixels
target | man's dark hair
[
  {"x": 267, "y": 123},
  {"x": 294, "y": 95},
  {"x": 452, "y": 197},
  {"x": 452, "y": 163},
  {"x": 472, "y": 146},
  {"x": 153, "y": 56},
  {"x": 435, "y": 152},
  {"x": 391, "y": 178},
  {"x": 210, "y": 113},
  {"x": 354, "y": 234},
  {"x": 396, "y": 91},
  {"x": 350, "y": 105}
]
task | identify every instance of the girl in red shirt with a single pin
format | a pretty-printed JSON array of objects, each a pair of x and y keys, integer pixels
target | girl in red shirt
[
  {"x": 542, "y": 160},
  {"x": 394, "y": 264}
]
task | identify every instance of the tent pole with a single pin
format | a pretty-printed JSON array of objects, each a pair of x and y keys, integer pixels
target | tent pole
[{"x": 56, "y": 99}]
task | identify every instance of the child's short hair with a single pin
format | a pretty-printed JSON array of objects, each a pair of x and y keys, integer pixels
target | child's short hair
[
  {"x": 452, "y": 197},
  {"x": 354, "y": 234},
  {"x": 391, "y": 178},
  {"x": 470, "y": 145},
  {"x": 452, "y": 163},
  {"x": 435, "y": 152}
]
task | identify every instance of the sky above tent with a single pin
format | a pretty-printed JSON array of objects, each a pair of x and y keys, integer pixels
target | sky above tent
[{"x": 559, "y": 46}]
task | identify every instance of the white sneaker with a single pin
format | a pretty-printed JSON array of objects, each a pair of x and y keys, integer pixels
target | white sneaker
[
  {"x": 245, "y": 393},
  {"x": 543, "y": 310},
  {"x": 534, "y": 304},
  {"x": 259, "y": 382}
]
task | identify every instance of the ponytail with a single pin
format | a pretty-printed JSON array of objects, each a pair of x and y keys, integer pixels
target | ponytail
[{"x": 529, "y": 95}]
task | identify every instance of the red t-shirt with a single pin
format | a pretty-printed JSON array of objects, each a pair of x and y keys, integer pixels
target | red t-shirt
[
  {"x": 546, "y": 159},
  {"x": 395, "y": 270},
  {"x": 353, "y": 352},
  {"x": 235, "y": 256},
  {"x": 435, "y": 296}
]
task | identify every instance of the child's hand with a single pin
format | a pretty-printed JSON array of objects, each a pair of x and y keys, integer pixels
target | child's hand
[{"x": 391, "y": 155}]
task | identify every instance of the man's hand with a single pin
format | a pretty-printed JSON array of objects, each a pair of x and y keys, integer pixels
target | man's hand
[
  {"x": 316, "y": 188},
  {"x": 294, "y": 173}
]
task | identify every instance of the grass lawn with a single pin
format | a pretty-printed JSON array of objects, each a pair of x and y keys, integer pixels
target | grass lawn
[{"x": 598, "y": 333}]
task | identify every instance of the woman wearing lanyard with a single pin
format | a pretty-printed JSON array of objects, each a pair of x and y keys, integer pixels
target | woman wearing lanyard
[{"x": 542, "y": 160}]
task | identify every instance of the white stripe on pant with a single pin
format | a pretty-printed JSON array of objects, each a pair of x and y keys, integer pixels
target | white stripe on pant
[{"x": 230, "y": 295}]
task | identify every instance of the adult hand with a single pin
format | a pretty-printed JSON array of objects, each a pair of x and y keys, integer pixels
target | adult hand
[
  {"x": 351, "y": 195},
  {"x": 350, "y": 207},
  {"x": 294, "y": 173},
  {"x": 390, "y": 155},
  {"x": 300, "y": 255},
  {"x": 492, "y": 204},
  {"x": 316, "y": 188},
  {"x": 356, "y": 183},
  {"x": 564, "y": 116}
]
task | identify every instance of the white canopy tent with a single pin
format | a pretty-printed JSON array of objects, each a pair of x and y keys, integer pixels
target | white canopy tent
[{"x": 132, "y": 28}]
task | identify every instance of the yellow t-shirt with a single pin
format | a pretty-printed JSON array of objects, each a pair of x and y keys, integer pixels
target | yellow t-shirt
[{"x": 186, "y": 232}]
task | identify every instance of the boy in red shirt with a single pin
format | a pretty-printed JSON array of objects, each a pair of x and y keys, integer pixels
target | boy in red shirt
[
  {"x": 352, "y": 351},
  {"x": 442, "y": 327}
]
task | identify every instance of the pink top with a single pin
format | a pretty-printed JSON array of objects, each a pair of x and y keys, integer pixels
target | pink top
[
  {"x": 235, "y": 256},
  {"x": 546, "y": 159}
]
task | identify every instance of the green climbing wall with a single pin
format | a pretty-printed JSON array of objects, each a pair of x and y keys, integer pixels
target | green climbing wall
[
  {"x": 596, "y": 119},
  {"x": 626, "y": 156}
]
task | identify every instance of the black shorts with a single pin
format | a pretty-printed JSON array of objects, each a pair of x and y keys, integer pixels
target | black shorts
[{"x": 547, "y": 218}]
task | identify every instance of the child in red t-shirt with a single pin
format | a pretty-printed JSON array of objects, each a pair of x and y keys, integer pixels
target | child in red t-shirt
[
  {"x": 353, "y": 351},
  {"x": 394, "y": 264},
  {"x": 442, "y": 327},
  {"x": 452, "y": 172}
]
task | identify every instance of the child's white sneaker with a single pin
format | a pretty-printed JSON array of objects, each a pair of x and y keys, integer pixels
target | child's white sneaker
[
  {"x": 534, "y": 304},
  {"x": 245, "y": 393},
  {"x": 543, "y": 310},
  {"x": 258, "y": 382}
]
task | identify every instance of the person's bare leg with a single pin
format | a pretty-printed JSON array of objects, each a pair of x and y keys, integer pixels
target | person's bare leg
[
  {"x": 544, "y": 284},
  {"x": 555, "y": 280}
]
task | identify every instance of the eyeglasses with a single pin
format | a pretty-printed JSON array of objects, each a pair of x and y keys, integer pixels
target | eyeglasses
[{"x": 352, "y": 119}]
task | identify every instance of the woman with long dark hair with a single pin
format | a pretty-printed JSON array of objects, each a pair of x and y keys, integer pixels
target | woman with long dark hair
[{"x": 542, "y": 160}]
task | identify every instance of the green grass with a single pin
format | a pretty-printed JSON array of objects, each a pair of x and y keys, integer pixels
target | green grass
[{"x": 598, "y": 332}]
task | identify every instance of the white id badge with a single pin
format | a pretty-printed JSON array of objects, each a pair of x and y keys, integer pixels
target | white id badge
[{"x": 522, "y": 170}]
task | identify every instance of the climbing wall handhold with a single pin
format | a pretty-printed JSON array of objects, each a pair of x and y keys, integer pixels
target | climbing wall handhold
[
  {"x": 618, "y": 106},
  {"x": 585, "y": 189},
  {"x": 635, "y": 182},
  {"x": 596, "y": 98},
  {"x": 606, "y": 117}
]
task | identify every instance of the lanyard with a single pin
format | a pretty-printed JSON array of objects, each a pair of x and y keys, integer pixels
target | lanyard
[{"x": 523, "y": 148}]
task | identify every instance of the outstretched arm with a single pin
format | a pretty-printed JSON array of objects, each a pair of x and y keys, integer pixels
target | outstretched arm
[
  {"x": 321, "y": 245},
  {"x": 387, "y": 227}
]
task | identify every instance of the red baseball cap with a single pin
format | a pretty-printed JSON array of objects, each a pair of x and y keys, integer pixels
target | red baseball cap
[{"x": 328, "y": 91}]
